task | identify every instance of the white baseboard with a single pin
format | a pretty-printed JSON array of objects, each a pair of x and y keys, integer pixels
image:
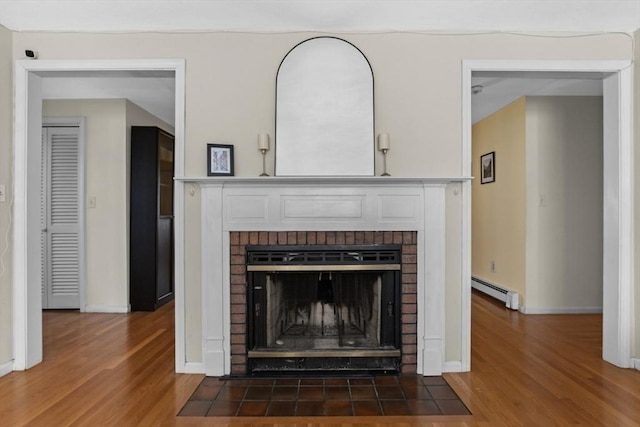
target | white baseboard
[
  {"x": 561, "y": 310},
  {"x": 6, "y": 368},
  {"x": 192, "y": 368},
  {"x": 635, "y": 363},
  {"x": 453, "y": 366},
  {"x": 107, "y": 308}
]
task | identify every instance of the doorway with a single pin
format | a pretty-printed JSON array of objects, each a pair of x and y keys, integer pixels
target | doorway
[
  {"x": 27, "y": 160},
  {"x": 618, "y": 176},
  {"x": 62, "y": 213}
]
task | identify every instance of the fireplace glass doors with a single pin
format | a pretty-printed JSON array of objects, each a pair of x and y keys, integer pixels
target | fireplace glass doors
[{"x": 323, "y": 308}]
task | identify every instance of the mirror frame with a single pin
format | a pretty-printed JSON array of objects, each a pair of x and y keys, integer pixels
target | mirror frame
[{"x": 314, "y": 154}]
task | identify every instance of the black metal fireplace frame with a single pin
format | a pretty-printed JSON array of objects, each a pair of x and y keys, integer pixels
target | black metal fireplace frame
[{"x": 263, "y": 260}]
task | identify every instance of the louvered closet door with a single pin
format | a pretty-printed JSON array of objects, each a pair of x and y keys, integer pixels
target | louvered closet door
[{"x": 61, "y": 286}]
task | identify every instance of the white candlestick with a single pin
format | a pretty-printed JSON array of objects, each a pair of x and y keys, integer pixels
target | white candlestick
[
  {"x": 263, "y": 141},
  {"x": 384, "y": 142}
]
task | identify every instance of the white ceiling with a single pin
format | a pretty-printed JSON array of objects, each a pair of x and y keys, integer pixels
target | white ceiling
[
  {"x": 155, "y": 93},
  {"x": 320, "y": 15}
]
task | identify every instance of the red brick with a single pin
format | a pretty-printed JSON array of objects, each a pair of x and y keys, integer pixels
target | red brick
[
  {"x": 321, "y": 238},
  {"x": 409, "y": 299},
  {"x": 234, "y": 238},
  {"x": 238, "y": 349},
  {"x": 241, "y": 328},
  {"x": 409, "y": 318},
  {"x": 237, "y": 250},
  {"x": 409, "y": 349},
  {"x": 409, "y": 288},
  {"x": 409, "y": 258},
  {"x": 409, "y": 278},
  {"x": 340, "y": 238},
  {"x": 409, "y": 339},
  {"x": 238, "y": 269},
  {"x": 273, "y": 238},
  {"x": 238, "y": 318},
  {"x": 350, "y": 238},
  {"x": 239, "y": 369},
  {"x": 369, "y": 237},
  {"x": 292, "y": 238},
  {"x": 409, "y": 249},
  {"x": 409, "y": 328},
  {"x": 409, "y": 309},
  {"x": 331, "y": 237},
  {"x": 238, "y": 298},
  {"x": 311, "y": 238},
  {"x": 409, "y": 359},
  {"x": 263, "y": 238},
  {"x": 244, "y": 238},
  {"x": 238, "y": 289},
  {"x": 379, "y": 238},
  {"x": 238, "y": 339},
  {"x": 397, "y": 237},
  {"x": 237, "y": 359},
  {"x": 359, "y": 237},
  {"x": 301, "y": 238},
  {"x": 254, "y": 238},
  {"x": 238, "y": 260},
  {"x": 409, "y": 268},
  {"x": 238, "y": 279},
  {"x": 238, "y": 308},
  {"x": 409, "y": 369}
]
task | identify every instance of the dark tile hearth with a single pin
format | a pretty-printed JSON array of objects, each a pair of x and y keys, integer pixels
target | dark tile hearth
[{"x": 286, "y": 397}]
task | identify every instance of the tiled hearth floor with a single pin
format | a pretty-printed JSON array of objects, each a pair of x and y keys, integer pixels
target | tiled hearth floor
[{"x": 366, "y": 396}]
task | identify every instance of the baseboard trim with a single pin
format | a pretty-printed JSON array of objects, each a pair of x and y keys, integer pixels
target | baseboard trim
[
  {"x": 6, "y": 368},
  {"x": 635, "y": 363},
  {"x": 561, "y": 310},
  {"x": 107, "y": 308},
  {"x": 453, "y": 366},
  {"x": 192, "y": 368}
]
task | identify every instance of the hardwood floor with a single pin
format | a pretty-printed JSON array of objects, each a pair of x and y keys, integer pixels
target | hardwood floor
[{"x": 117, "y": 370}]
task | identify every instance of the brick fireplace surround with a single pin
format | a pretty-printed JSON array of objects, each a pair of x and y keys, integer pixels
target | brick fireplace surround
[
  {"x": 236, "y": 212},
  {"x": 240, "y": 239}
]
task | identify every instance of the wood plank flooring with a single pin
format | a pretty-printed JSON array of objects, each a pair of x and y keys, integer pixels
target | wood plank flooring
[{"x": 117, "y": 370}]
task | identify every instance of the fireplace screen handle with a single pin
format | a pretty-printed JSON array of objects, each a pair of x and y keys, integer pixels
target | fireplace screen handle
[
  {"x": 257, "y": 310},
  {"x": 390, "y": 309}
]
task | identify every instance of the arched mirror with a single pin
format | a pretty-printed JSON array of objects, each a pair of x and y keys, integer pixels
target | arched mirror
[{"x": 324, "y": 111}]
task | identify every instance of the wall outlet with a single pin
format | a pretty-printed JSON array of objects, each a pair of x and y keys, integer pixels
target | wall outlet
[
  {"x": 492, "y": 266},
  {"x": 3, "y": 193}
]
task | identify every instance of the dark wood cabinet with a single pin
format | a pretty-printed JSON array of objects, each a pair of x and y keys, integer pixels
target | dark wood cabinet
[{"x": 151, "y": 233}]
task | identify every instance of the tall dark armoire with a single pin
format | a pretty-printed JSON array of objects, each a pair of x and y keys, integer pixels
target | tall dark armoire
[{"x": 151, "y": 233}]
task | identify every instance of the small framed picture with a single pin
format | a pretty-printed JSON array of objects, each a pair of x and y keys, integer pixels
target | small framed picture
[
  {"x": 488, "y": 167},
  {"x": 219, "y": 160}
]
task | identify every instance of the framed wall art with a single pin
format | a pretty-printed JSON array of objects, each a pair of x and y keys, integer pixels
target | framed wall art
[
  {"x": 488, "y": 167},
  {"x": 219, "y": 160}
]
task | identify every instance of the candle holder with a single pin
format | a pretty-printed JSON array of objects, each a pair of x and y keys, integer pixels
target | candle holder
[
  {"x": 384, "y": 145},
  {"x": 263, "y": 146},
  {"x": 264, "y": 162},
  {"x": 384, "y": 162}
]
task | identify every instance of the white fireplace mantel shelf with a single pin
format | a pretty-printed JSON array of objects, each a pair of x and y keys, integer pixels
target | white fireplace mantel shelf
[
  {"x": 231, "y": 204},
  {"x": 311, "y": 180}
]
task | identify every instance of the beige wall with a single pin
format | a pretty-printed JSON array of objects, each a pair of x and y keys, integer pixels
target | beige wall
[
  {"x": 564, "y": 203},
  {"x": 108, "y": 124},
  {"x": 499, "y": 208},
  {"x": 6, "y": 156},
  {"x": 230, "y": 98}
]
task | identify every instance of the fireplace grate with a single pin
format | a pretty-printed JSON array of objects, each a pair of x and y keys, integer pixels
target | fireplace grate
[{"x": 322, "y": 255}]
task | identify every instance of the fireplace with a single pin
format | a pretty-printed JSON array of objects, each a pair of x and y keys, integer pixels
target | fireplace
[
  {"x": 277, "y": 211},
  {"x": 320, "y": 308}
]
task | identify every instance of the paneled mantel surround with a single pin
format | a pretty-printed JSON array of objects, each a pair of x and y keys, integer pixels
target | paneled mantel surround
[{"x": 307, "y": 204}]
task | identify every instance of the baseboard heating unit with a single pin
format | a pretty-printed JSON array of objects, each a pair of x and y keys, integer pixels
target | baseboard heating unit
[{"x": 510, "y": 298}]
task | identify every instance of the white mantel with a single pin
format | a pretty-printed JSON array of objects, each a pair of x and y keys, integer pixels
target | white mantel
[{"x": 323, "y": 204}]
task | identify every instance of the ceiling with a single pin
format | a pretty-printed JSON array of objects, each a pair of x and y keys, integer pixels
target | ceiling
[
  {"x": 156, "y": 93},
  {"x": 320, "y": 15}
]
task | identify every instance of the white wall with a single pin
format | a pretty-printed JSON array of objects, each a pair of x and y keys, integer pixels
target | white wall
[
  {"x": 636, "y": 311},
  {"x": 564, "y": 204},
  {"x": 230, "y": 98},
  {"x": 108, "y": 135},
  {"x": 6, "y": 142}
]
